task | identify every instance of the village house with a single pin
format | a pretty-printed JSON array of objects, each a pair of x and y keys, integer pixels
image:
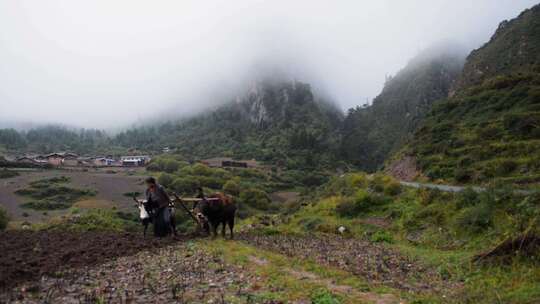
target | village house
[
  {"x": 228, "y": 162},
  {"x": 31, "y": 160},
  {"x": 104, "y": 161},
  {"x": 70, "y": 160},
  {"x": 57, "y": 159},
  {"x": 134, "y": 161}
]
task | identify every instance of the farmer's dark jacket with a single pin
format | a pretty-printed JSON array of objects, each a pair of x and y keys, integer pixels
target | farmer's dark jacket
[{"x": 159, "y": 196}]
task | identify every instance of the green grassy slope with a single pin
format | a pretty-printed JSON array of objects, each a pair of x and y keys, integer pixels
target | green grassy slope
[
  {"x": 487, "y": 133},
  {"x": 444, "y": 231},
  {"x": 489, "y": 130}
]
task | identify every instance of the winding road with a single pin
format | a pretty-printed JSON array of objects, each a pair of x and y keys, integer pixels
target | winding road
[{"x": 449, "y": 188}]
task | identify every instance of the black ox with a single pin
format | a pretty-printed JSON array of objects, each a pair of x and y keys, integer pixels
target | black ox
[{"x": 214, "y": 210}]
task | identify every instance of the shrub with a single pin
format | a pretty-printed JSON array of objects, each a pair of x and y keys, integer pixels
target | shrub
[
  {"x": 347, "y": 208},
  {"x": 462, "y": 175},
  {"x": 211, "y": 182},
  {"x": 381, "y": 236},
  {"x": 467, "y": 198},
  {"x": 476, "y": 218},
  {"x": 311, "y": 223},
  {"x": 171, "y": 165},
  {"x": 185, "y": 185},
  {"x": 200, "y": 169},
  {"x": 231, "y": 187},
  {"x": 428, "y": 196},
  {"x": 358, "y": 180},
  {"x": 362, "y": 202},
  {"x": 4, "y": 219},
  {"x": 393, "y": 188},
  {"x": 165, "y": 179},
  {"x": 255, "y": 198},
  {"x": 507, "y": 166}
]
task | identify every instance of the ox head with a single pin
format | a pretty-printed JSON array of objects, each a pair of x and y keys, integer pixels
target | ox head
[{"x": 141, "y": 205}]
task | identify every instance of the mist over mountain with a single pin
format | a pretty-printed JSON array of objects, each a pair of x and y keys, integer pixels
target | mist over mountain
[
  {"x": 371, "y": 133},
  {"x": 111, "y": 65},
  {"x": 278, "y": 121}
]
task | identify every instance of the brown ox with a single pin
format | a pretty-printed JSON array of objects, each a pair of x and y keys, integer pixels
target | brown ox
[{"x": 218, "y": 208}]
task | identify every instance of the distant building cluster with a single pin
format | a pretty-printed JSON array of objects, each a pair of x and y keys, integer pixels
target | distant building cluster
[
  {"x": 67, "y": 159},
  {"x": 227, "y": 162}
]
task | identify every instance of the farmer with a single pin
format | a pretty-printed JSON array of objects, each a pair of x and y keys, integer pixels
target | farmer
[{"x": 158, "y": 198}]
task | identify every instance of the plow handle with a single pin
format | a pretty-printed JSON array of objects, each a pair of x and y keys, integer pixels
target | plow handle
[{"x": 185, "y": 208}]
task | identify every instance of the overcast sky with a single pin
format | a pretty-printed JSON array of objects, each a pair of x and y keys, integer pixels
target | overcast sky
[{"x": 110, "y": 63}]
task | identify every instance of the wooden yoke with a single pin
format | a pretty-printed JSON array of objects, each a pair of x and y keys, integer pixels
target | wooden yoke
[{"x": 181, "y": 202}]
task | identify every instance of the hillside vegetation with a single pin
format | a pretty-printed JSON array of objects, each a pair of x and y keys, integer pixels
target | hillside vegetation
[
  {"x": 448, "y": 233},
  {"x": 489, "y": 130},
  {"x": 371, "y": 133}
]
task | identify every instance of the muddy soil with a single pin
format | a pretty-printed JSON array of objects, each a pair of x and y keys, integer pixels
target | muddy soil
[
  {"x": 27, "y": 256},
  {"x": 177, "y": 273}
]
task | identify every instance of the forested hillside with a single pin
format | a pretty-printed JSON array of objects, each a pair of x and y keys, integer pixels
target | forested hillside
[
  {"x": 275, "y": 121},
  {"x": 514, "y": 47},
  {"x": 370, "y": 133},
  {"x": 490, "y": 129},
  {"x": 49, "y": 139}
]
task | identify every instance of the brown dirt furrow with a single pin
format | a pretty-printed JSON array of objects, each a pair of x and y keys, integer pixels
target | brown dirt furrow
[{"x": 28, "y": 255}]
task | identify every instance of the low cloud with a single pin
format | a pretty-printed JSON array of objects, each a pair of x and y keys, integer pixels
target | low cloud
[{"x": 105, "y": 64}]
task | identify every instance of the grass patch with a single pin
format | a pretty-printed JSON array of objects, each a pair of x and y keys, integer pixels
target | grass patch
[
  {"x": 52, "y": 194},
  {"x": 92, "y": 220},
  {"x": 320, "y": 284}
]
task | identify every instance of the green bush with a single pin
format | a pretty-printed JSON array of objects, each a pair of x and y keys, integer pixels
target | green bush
[
  {"x": 462, "y": 175},
  {"x": 476, "y": 219},
  {"x": 200, "y": 169},
  {"x": 311, "y": 223},
  {"x": 4, "y": 218},
  {"x": 171, "y": 166},
  {"x": 185, "y": 185},
  {"x": 166, "y": 179},
  {"x": 393, "y": 188},
  {"x": 212, "y": 182},
  {"x": 362, "y": 202},
  {"x": 255, "y": 198},
  {"x": 381, "y": 236},
  {"x": 428, "y": 196},
  {"x": 467, "y": 198},
  {"x": 231, "y": 187}
]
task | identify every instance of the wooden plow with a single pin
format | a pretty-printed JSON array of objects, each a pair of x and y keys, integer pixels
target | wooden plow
[{"x": 186, "y": 209}]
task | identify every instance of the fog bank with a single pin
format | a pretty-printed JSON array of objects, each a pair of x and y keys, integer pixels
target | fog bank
[{"x": 105, "y": 64}]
